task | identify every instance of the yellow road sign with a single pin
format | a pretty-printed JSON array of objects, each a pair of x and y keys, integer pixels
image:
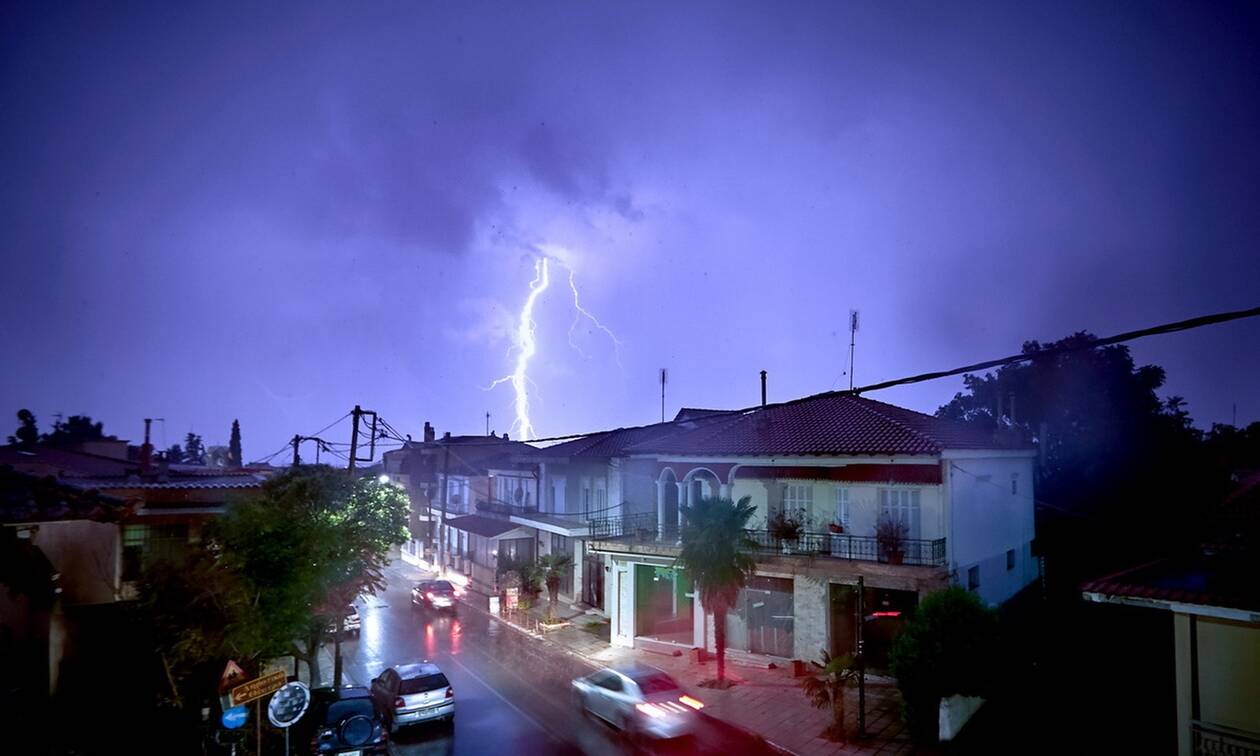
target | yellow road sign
[{"x": 255, "y": 689}]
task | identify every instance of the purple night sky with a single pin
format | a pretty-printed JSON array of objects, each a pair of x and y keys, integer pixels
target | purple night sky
[{"x": 272, "y": 213}]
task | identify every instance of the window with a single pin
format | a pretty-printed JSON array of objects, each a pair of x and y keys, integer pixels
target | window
[
  {"x": 1010, "y": 559},
  {"x": 586, "y": 496},
  {"x": 560, "y": 545},
  {"x": 601, "y": 495},
  {"x": 798, "y": 496},
  {"x": 842, "y": 506},
  {"x": 514, "y": 491},
  {"x": 902, "y": 504},
  {"x": 973, "y": 577},
  {"x": 516, "y": 550},
  {"x": 144, "y": 544}
]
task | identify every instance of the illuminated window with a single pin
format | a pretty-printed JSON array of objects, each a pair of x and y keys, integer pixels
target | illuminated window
[
  {"x": 145, "y": 544},
  {"x": 798, "y": 496}
]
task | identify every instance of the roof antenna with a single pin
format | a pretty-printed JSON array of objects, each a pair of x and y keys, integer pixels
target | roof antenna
[
  {"x": 664, "y": 380},
  {"x": 853, "y": 326}
]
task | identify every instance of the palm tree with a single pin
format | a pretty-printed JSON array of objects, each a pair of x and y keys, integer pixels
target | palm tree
[
  {"x": 553, "y": 568},
  {"x": 825, "y": 689},
  {"x": 716, "y": 554}
]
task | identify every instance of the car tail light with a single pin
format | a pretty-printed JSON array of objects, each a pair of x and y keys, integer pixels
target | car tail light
[
  {"x": 458, "y": 593},
  {"x": 399, "y": 703},
  {"x": 429, "y": 595},
  {"x": 450, "y": 692},
  {"x": 689, "y": 701},
  {"x": 652, "y": 710}
]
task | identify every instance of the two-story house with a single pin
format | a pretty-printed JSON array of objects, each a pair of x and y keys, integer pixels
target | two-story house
[{"x": 965, "y": 502}]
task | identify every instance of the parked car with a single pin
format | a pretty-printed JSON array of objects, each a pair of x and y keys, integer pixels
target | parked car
[
  {"x": 642, "y": 701},
  {"x": 344, "y": 721},
  {"x": 436, "y": 594},
  {"x": 351, "y": 623},
  {"x": 413, "y": 693}
]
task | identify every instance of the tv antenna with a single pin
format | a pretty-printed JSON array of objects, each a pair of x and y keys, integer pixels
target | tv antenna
[
  {"x": 664, "y": 380},
  {"x": 853, "y": 327}
]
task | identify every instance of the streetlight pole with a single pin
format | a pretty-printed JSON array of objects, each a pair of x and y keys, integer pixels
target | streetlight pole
[{"x": 861, "y": 656}]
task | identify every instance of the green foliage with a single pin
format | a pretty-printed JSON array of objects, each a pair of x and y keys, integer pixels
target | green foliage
[
  {"x": 278, "y": 568},
  {"x": 948, "y": 647},
  {"x": 235, "y": 459},
  {"x": 175, "y": 454},
  {"x": 825, "y": 689},
  {"x": 75, "y": 429},
  {"x": 553, "y": 568},
  {"x": 27, "y": 433},
  {"x": 716, "y": 553},
  {"x": 194, "y": 450}
]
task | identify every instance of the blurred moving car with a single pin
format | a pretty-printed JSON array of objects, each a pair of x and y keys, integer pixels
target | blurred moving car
[
  {"x": 640, "y": 700},
  {"x": 436, "y": 594},
  {"x": 345, "y": 721},
  {"x": 413, "y": 693},
  {"x": 351, "y": 624}
]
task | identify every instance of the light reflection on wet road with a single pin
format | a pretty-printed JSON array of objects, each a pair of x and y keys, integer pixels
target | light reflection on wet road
[{"x": 512, "y": 692}]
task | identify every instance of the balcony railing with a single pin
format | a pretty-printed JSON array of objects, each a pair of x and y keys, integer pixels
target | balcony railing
[
  {"x": 504, "y": 508},
  {"x": 1212, "y": 739},
  {"x": 915, "y": 551},
  {"x": 643, "y": 527}
]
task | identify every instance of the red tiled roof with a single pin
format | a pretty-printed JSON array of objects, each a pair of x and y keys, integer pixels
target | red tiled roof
[
  {"x": 822, "y": 425},
  {"x": 1219, "y": 580}
]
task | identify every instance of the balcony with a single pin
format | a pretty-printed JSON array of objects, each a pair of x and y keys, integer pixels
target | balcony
[
  {"x": 642, "y": 527},
  {"x": 495, "y": 506}
]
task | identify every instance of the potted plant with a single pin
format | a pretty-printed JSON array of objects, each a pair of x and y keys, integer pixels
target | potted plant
[
  {"x": 890, "y": 534},
  {"x": 836, "y": 527},
  {"x": 786, "y": 527}
]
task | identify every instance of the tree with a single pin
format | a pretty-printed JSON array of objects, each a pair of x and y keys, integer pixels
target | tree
[
  {"x": 553, "y": 567},
  {"x": 76, "y": 429},
  {"x": 946, "y": 648},
  {"x": 175, "y": 454},
  {"x": 1113, "y": 454},
  {"x": 234, "y": 445},
  {"x": 26, "y": 434},
  {"x": 716, "y": 553},
  {"x": 826, "y": 687},
  {"x": 194, "y": 450}
]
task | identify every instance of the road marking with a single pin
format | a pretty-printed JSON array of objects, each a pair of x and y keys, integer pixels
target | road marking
[{"x": 501, "y": 697}]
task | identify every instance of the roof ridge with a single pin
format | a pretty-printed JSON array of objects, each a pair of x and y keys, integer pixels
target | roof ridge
[{"x": 862, "y": 402}]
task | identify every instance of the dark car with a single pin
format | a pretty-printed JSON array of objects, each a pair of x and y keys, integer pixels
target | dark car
[
  {"x": 436, "y": 594},
  {"x": 414, "y": 693},
  {"x": 345, "y": 721}
]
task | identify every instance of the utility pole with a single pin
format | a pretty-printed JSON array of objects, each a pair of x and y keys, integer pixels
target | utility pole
[
  {"x": 487, "y": 423},
  {"x": 861, "y": 657},
  {"x": 853, "y": 326},
  {"x": 297, "y": 440},
  {"x": 446, "y": 487},
  {"x": 354, "y": 436}
]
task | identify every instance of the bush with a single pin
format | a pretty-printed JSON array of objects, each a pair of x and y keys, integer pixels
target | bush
[{"x": 947, "y": 648}]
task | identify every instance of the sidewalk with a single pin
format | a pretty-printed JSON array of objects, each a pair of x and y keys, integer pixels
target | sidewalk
[{"x": 768, "y": 702}]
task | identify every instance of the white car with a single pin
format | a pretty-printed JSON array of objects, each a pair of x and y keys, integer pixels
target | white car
[
  {"x": 350, "y": 625},
  {"x": 414, "y": 693},
  {"x": 640, "y": 700}
]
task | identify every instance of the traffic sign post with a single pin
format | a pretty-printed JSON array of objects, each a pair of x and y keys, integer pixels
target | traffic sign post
[
  {"x": 235, "y": 717},
  {"x": 256, "y": 689},
  {"x": 287, "y": 706}
]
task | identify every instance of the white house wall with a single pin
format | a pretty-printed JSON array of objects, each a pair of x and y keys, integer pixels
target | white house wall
[{"x": 988, "y": 520}]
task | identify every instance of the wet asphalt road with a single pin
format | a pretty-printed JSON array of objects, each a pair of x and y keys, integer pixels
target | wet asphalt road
[{"x": 512, "y": 691}]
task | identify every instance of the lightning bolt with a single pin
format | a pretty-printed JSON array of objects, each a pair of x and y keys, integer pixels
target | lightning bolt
[
  {"x": 527, "y": 347},
  {"x": 526, "y": 341},
  {"x": 581, "y": 312}
]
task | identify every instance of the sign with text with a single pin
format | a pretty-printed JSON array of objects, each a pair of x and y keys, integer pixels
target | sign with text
[{"x": 255, "y": 689}]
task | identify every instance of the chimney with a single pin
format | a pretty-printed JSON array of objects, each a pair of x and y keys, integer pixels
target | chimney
[
  {"x": 446, "y": 436},
  {"x": 763, "y": 388},
  {"x": 429, "y": 433},
  {"x": 146, "y": 451},
  {"x": 505, "y": 437}
]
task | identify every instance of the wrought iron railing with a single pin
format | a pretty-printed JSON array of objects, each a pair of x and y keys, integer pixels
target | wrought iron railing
[
  {"x": 1212, "y": 739},
  {"x": 915, "y": 551},
  {"x": 640, "y": 526},
  {"x": 644, "y": 527},
  {"x": 504, "y": 508}
]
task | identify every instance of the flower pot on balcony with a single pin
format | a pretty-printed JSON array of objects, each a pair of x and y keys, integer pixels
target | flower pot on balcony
[
  {"x": 895, "y": 557},
  {"x": 835, "y": 528}
]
